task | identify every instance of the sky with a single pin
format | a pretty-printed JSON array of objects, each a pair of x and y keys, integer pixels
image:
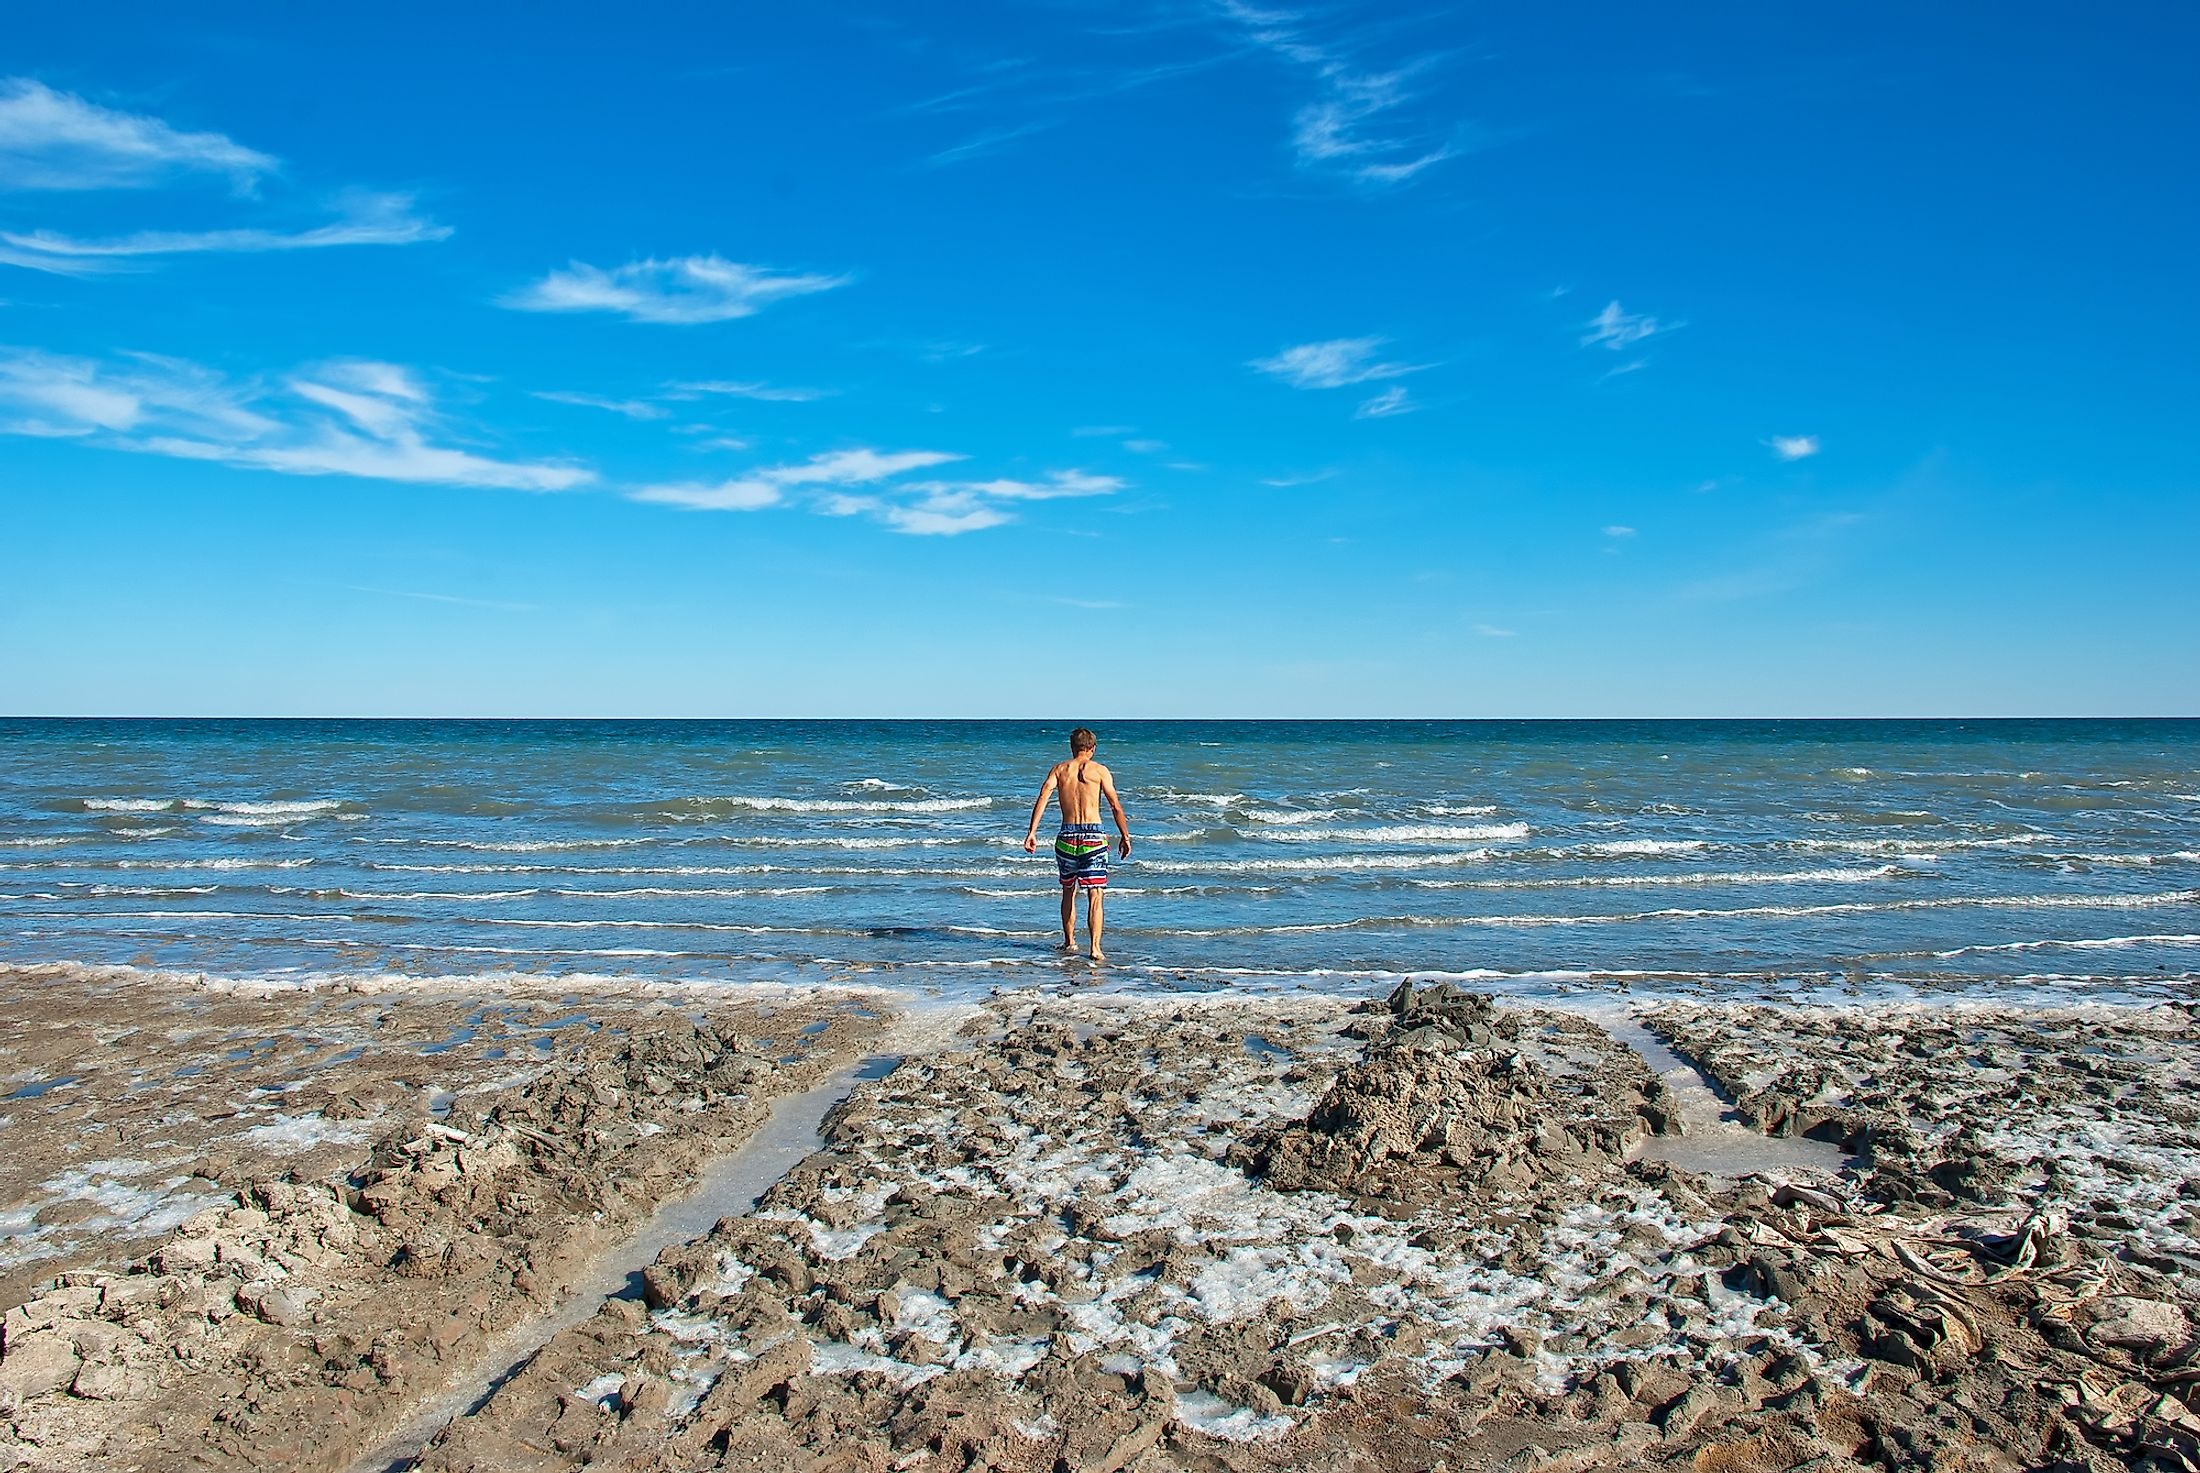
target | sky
[{"x": 1148, "y": 358}]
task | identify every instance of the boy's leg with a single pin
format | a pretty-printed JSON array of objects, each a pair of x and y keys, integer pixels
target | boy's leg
[
  {"x": 1069, "y": 918},
  {"x": 1094, "y": 899}
]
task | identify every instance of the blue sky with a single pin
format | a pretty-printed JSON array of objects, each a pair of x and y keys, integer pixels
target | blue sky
[{"x": 1061, "y": 359}]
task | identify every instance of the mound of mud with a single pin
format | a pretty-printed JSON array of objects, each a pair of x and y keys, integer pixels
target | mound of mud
[{"x": 1448, "y": 1094}]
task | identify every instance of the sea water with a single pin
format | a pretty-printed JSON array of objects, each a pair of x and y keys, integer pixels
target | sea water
[{"x": 1971, "y": 858}]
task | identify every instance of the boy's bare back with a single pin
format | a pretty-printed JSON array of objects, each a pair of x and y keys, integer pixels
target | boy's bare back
[{"x": 1079, "y": 786}]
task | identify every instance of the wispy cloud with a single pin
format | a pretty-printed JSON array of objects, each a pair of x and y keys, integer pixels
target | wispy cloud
[
  {"x": 349, "y": 418},
  {"x": 59, "y": 141},
  {"x": 1391, "y": 401},
  {"x": 981, "y": 145},
  {"x": 447, "y": 598},
  {"x": 769, "y": 485},
  {"x": 866, "y": 483},
  {"x": 1354, "y": 124},
  {"x": 1335, "y": 364},
  {"x": 1793, "y": 447},
  {"x": 631, "y": 408},
  {"x": 1617, "y": 329},
  {"x": 680, "y": 290},
  {"x": 1492, "y": 631},
  {"x": 1308, "y": 479},
  {"x": 1619, "y": 533},
  {"x": 364, "y": 219},
  {"x": 767, "y": 392}
]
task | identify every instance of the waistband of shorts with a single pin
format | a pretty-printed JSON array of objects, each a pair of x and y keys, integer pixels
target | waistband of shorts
[{"x": 1081, "y": 828}]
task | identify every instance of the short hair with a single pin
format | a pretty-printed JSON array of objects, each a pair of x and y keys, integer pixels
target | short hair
[{"x": 1082, "y": 740}]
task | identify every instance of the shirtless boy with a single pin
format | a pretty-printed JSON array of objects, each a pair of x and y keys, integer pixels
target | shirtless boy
[{"x": 1081, "y": 849}]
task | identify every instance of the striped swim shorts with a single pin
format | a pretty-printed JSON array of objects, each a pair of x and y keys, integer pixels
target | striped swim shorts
[{"x": 1081, "y": 855}]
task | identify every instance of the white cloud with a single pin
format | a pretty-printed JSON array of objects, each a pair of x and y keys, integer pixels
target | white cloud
[
  {"x": 769, "y": 486},
  {"x": 631, "y": 408},
  {"x": 1491, "y": 631},
  {"x": 944, "y": 515},
  {"x": 1618, "y": 532},
  {"x": 750, "y": 493},
  {"x": 1393, "y": 400},
  {"x": 364, "y": 219},
  {"x": 1145, "y": 447},
  {"x": 1058, "y": 484},
  {"x": 1352, "y": 126},
  {"x": 681, "y": 290},
  {"x": 1333, "y": 365},
  {"x": 1616, "y": 329},
  {"x": 1793, "y": 447},
  {"x": 350, "y": 418},
  {"x": 919, "y": 508},
  {"x": 57, "y": 140},
  {"x": 691, "y": 390},
  {"x": 1309, "y": 479}
]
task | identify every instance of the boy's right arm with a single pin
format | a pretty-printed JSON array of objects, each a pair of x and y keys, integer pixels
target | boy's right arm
[{"x": 1038, "y": 810}]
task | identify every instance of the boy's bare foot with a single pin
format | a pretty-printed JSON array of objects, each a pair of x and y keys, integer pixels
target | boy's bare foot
[
  {"x": 1067, "y": 946},
  {"x": 1098, "y": 955}
]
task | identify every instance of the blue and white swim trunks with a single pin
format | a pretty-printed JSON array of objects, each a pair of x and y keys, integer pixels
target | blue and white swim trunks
[{"x": 1081, "y": 855}]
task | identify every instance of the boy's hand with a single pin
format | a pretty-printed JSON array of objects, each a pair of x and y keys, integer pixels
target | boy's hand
[
  {"x": 1031, "y": 842},
  {"x": 1123, "y": 846}
]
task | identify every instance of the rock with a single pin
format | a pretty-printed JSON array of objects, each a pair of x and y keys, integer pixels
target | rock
[
  {"x": 96, "y": 1382},
  {"x": 1682, "y": 1415},
  {"x": 36, "y": 1364},
  {"x": 186, "y": 1255},
  {"x": 2145, "y": 1327},
  {"x": 276, "y": 1305}
]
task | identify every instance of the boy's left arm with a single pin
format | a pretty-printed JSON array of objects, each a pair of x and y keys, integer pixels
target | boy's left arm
[{"x": 1122, "y": 821}]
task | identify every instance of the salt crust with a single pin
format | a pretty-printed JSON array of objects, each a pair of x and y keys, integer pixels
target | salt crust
[{"x": 1615, "y": 1256}]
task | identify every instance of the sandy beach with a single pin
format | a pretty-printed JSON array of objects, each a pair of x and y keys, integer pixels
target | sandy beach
[{"x": 351, "y": 1228}]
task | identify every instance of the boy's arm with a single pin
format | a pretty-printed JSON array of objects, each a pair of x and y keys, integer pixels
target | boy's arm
[
  {"x": 1038, "y": 811},
  {"x": 1115, "y": 804}
]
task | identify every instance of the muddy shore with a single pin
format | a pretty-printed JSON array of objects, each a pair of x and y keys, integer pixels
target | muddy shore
[
  {"x": 1111, "y": 1233},
  {"x": 255, "y": 1228}
]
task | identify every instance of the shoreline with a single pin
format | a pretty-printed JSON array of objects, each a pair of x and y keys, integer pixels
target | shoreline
[{"x": 1201, "y": 1229}]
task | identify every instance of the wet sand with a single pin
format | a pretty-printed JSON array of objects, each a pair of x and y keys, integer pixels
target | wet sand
[{"x": 1116, "y": 1233}]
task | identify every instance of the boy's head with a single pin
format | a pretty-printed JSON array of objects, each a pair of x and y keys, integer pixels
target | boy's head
[{"x": 1082, "y": 741}]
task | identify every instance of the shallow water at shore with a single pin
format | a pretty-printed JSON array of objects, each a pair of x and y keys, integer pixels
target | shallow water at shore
[{"x": 2056, "y": 858}]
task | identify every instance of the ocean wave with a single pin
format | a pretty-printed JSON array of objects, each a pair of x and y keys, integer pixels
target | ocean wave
[
  {"x": 701, "y": 892},
  {"x": 1312, "y": 863},
  {"x": 1407, "y": 833},
  {"x": 128, "y": 805},
  {"x": 250, "y": 820},
  {"x": 1678, "y": 913},
  {"x": 2095, "y": 943},
  {"x": 302, "y": 862},
  {"x": 294, "y": 808},
  {"x": 1678, "y": 877},
  {"x": 1910, "y": 846},
  {"x": 1642, "y": 846},
  {"x": 1211, "y": 800},
  {"x": 1460, "y": 810},
  {"x": 1290, "y": 815},
  {"x": 740, "y": 803}
]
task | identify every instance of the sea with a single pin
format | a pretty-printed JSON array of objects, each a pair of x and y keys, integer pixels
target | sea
[{"x": 1801, "y": 859}]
